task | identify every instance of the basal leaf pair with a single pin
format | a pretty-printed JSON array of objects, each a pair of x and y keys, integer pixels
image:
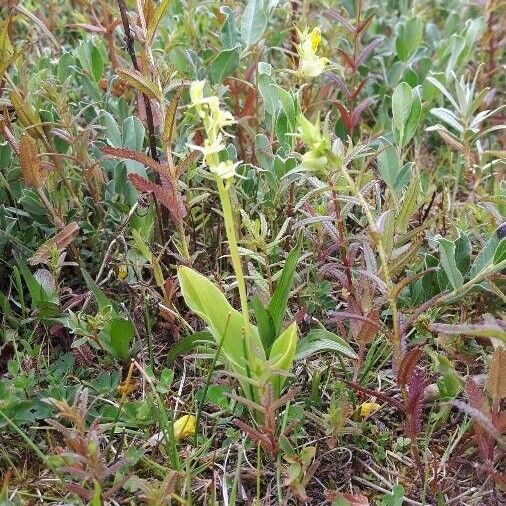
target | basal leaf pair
[{"x": 244, "y": 353}]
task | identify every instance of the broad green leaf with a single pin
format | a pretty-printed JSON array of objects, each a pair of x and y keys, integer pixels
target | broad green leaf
[
  {"x": 133, "y": 133},
  {"x": 112, "y": 132},
  {"x": 269, "y": 93},
  {"x": 226, "y": 323},
  {"x": 39, "y": 292},
  {"x": 100, "y": 298},
  {"x": 97, "y": 63},
  {"x": 500, "y": 252},
  {"x": 277, "y": 305},
  {"x": 229, "y": 33},
  {"x": 389, "y": 164},
  {"x": 485, "y": 256},
  {"x": 254, "y": 22},
  {"x": 224, "y": 64},
  {"x": 401, "y": 107},
  {"x": 463, "y": 252},
  {"x": 264, "y": 323},
  {"x": 282, "y": 355},
  {"x": 413, "y": 119},
  {"x": 450, "y": 383},
  {"x": 409, "y": 37},
  {"x": 448, "y": 262},
  {"x": 121, "y": 333},
  {"x": 320, "y": 340},
  {"x": 288, "y": 106}
]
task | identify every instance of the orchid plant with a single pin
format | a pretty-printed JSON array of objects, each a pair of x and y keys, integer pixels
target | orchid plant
[{"x": 258, "y": 357}]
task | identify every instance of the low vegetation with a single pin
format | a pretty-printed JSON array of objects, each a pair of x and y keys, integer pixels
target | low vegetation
[{"x": 253, "y": 252}]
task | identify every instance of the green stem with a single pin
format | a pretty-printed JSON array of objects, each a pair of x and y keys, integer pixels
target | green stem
[
  {"x": 184, "y": 242},
  {"x": 40, "y": 454},
  {"x": 234, "y": 251}
]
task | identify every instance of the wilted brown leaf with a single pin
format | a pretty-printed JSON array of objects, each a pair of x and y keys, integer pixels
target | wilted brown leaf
[
  {"x": 496, "y": 384},
  {"x": 171, "y": 200},
  {"x": 61, "y": 240},
  {"x": 31, "y": 165},
  {"x": 170, "y": 117},
  {"x": 141, "y": 83}
]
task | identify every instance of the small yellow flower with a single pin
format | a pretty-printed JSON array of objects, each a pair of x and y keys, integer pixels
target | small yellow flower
[
  {"x": 209, "y": 148},
  {"x": 184, "y": 427},
  {"x": 220, "y": 118},
  {"x": 310, "y": 65},
  {"x": 224, "y": 170},
  {"x": 368, "y": 408},
  {"x": 197, "y": 92},
  {"x": 215, "y": 120},
  {"x": 122, "y": 272}
]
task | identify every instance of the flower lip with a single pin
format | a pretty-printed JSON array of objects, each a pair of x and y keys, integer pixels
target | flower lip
[{"x": 310, "y": 65}]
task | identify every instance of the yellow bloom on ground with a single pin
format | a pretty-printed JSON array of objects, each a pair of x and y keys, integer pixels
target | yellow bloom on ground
[
  {"x": 122, "y": 272},
  {"x": 184, "y": 427},
  {"x": 310, "y": 65},
  {"x": 368, "y": 408}
]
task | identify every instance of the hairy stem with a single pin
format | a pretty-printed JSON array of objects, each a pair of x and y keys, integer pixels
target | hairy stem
[{"x": 392, "y": 299}]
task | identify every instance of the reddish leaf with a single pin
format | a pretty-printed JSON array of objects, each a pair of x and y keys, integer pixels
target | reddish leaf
[
  {"x": 348, "y": 60},
  {"x": 88, "y": 27},
  {"x": 356, "y": 499},
  {"x": 358, "y": 89},
  {"x": 414, "y": 404},
  {"x": 407, "y": 366},
  {"x": 355, "y": 117},
  {"x": 257, "y": 436},
  {"x": 335, "y": 15},
  {"x": 362, "y": 26},
  {"x": 129, "y": 154},
  {"x": 345, "y": 115},
  {"x": 340, "y": 84},
  {"x": 183, "y": 165},
  {"x": 172, "y": 201},
  {"x": 479, "y": 404},
  {"x": 369, "y": 328},
  {"x": 364, "y": 54},
  {"x": 30, "y": 162}
]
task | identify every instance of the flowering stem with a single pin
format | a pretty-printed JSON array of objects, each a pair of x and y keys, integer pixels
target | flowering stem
[{"x": 234, "y": 250}]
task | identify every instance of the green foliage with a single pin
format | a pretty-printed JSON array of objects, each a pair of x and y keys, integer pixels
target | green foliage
[{"x": 282, "y": 222}]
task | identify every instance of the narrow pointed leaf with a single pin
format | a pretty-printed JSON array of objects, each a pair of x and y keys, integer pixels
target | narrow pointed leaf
[
  {"x": 277, "y": 305},
  {"x": 283, "y": 354}
]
